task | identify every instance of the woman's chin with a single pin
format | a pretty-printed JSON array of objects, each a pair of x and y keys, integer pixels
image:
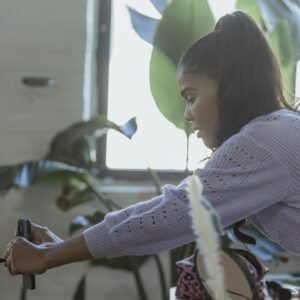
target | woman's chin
[{"x": 208, "y": 143}]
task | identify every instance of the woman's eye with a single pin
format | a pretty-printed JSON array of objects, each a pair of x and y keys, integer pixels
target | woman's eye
[{"x": 191, "y": 100}]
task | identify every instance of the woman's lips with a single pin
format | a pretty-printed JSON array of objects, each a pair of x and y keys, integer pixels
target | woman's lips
[{"x": 199, "y": 133}]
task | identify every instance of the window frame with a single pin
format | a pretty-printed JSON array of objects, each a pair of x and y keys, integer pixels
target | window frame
[{"x": 102, "y": 70}]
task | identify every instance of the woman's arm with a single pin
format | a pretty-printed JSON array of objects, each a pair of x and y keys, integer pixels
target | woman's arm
[
  {"x": 25, "y": 257},
  {"x": 71, "y": 250}
]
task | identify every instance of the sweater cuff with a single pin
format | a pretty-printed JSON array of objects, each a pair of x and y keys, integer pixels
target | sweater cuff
[{"x": 99, "y": 243}]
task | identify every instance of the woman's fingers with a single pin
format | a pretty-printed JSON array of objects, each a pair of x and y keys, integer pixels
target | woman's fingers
[
  {"x": 42, "y": 234},
  {"x": 8, "y": 257},
  {"x": 24, "y": 257},
  {"x": 8, "y": 265}
]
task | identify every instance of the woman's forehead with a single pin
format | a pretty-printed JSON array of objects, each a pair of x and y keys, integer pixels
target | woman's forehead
[{"x": 191, "y": 79}]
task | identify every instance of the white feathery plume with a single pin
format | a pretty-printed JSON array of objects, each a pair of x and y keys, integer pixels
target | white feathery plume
[{"x": 206, "y": 226}]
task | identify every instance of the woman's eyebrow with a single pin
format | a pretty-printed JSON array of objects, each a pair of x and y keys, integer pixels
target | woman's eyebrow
[{"x": 185, "y": 90}]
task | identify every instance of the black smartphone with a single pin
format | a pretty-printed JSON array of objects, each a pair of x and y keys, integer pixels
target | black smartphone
[{"x": 24, "y": 230}]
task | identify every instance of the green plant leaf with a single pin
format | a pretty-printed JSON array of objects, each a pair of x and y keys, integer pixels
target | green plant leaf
[
  {"x": 80, "y": 290},
  {"x": 26, "y": 174},
  {"x": 275, "y": 11},
  {"x": 144, "y": 26},
  {"x": 183, "y": 23},
  {"x": 121, "y": 263},
  {"x": 81, "y": 222},
  {"x": 62, "y": 146},
  {"x": 160, "y": 5},
  {"x": 164, "y": 88},
  {"x": 252, "y": 8},
  {"x": 280, "y": 19},
  {"x": 281, "y": 42}
]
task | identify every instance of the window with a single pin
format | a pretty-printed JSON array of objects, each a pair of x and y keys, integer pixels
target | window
[{"x": 157, "y": 143}]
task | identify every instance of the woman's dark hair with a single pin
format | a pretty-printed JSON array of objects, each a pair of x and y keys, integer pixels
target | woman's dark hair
[{"x": 239, "y": 57}]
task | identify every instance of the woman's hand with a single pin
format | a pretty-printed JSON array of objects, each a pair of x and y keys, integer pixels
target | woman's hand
[
  {"x": 25, "y": 257},
  {"x": 42, "y": 235}
]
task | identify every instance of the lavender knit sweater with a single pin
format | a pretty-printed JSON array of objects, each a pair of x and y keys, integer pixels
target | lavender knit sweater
[{"x": 254, "y": 174}]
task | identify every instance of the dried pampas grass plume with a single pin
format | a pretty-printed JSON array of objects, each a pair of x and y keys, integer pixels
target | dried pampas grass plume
[{"x": 206, "y": 226}]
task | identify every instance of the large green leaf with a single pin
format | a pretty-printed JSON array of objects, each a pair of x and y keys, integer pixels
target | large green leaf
[
  {"x": 80, "y": 136},
  {"x": 164, "y": 88},
  {"x": 26, "y": 174},
  {"x": 281, "y": 42},
  {"x": 275, "y": 11},
  {"x": 144, "y": 26},
  {"x": 160, "y": 5},
  {"x": 280, "y": 19},
  {"x": 252, "y": 8},
  {"x": 183, "y": 23}
]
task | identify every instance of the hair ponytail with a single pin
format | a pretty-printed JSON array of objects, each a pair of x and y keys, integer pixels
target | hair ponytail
[{"x": 239, "y": 57}]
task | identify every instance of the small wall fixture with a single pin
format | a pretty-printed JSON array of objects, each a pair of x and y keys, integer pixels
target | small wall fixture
[{"x": 33, "y": 81}]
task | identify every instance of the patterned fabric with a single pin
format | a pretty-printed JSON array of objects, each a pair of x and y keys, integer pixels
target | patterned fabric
[{"x": 189, "y": 287}]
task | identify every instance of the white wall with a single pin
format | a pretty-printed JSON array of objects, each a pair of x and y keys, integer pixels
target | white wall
[
  {"x": 39, "y": 38},
  {"x": 47, "y": 38}
]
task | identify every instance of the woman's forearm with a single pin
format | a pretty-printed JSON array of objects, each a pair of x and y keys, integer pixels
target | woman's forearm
[{"x": 71, "y": 250}]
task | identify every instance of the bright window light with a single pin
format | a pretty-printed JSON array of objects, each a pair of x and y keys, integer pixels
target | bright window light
[{"x": 158, "y": 143}]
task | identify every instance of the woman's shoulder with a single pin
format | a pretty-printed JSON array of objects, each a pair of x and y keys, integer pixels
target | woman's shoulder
[
  {"x": 273, "y": 121},
  {"x": 274, "y": 133},
  {"x": 266, "y": 132}
]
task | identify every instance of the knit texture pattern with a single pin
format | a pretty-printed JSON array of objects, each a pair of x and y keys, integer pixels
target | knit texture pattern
[{"x": 253, "y": 174}]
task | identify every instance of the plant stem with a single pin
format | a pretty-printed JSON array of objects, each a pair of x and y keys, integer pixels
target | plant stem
[
  {"x": 138, "y": 281},
  {"x": 173, "y": 270},
  {"x": 23, "y": 294},
  {"x": 162, "y": 277},
  {"x": 187, "y": 156},
  {"x": 156, "y": 180}
]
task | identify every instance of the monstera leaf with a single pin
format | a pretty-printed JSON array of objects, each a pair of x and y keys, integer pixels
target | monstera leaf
[
  {"x": 75, "y": 144},
  {"x": 182, "y": 24}
]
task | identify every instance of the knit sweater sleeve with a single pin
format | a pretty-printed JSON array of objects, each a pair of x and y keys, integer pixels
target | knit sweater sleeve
[{"x": 240, "y": 179}]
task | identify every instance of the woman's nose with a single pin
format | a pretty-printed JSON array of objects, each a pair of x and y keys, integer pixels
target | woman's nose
[{"x": 187, "y": 115}]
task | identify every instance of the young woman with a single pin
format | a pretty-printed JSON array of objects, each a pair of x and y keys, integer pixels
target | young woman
[{"x": 231, "y": 84}]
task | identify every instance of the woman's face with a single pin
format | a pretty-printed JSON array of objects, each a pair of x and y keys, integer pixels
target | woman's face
[{"x": 200, "y": 95}]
